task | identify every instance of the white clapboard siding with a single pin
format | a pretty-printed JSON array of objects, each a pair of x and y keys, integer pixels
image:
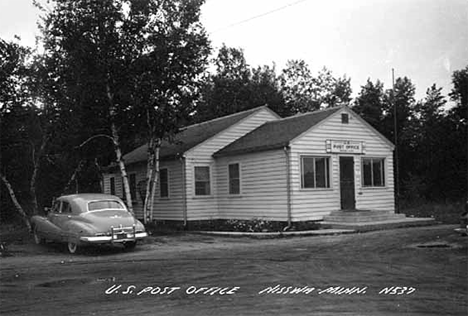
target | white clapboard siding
[
  {"x": 263, "y": 187},
  {"x": 313, "y": 204},
  {"x": 170, "y": 208},
  {"x": 203, "y": 208}
]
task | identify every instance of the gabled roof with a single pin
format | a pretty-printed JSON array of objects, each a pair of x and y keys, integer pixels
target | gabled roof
[
  {"x": 276, "y": 134},
  {"x": 190, "y": 137}
]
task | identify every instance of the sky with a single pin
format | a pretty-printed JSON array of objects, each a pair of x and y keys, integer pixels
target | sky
[{"x": 424, "y": 40}]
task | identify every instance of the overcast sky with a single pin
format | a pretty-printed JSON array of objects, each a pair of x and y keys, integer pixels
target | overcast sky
[{"x": 425, "y": 40}]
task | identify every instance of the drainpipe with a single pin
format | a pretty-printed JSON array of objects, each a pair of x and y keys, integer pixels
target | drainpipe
[
  {"x": 288, "y": 186},
  {"x": 184, "y": 190}
]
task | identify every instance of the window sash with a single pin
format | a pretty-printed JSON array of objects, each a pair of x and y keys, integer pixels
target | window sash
[
  {"x": 112, "y": 186},
  {"x": 202, "y": 181},
  {"x": 373, "y": 174},
  {"x": 234, "y": 178},
  {"x": 315, "y": 172},
  {"x": 132, "y": 180},
  {"x": 163, "y": 183}
]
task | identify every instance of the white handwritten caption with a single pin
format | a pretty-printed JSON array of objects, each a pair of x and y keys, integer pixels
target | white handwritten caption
[{"x": 119, "y": 289}]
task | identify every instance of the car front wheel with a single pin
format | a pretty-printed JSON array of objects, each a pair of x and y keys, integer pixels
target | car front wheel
[{"x": 72, "y": 247}]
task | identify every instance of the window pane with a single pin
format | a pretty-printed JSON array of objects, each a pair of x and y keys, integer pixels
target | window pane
[
  {"x": 321, "y": 171},
  {"x": 234, "y": 186},
  {"x": 102, "y": 205},
  {"x": 163, "y": 183},
  {"x": 132, "y": 181},
  {"x": 66, "y": 208},
  {"x": 202, "y": 188},
  {"x": 234, "y": 179},
  {"x": 344, "y": 118},
  {"x": 202, "y": 173},
  {"x": 202, "y": 181},
  {"x": 308, "y": 174},
  {"x": 112, "y": 186},
  {"x": 234, "y": 171},
  {"x": 377, "y": 171},
  {"x": 367, "y": 171}
]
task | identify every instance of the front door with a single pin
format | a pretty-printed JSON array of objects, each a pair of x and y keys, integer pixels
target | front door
[{"x": 347, "y": 183}]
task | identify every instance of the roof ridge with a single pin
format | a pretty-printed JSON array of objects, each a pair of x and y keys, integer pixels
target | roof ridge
[
  {"x": 306, "y": 113},
  {"x": 224, "y": 117}
]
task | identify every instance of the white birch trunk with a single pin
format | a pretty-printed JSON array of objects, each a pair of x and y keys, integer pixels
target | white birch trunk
[
  {"x": 18, "y": 206},
  {"x": 118, "y": 152}
]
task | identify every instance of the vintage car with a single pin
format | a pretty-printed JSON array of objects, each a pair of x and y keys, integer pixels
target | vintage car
[{"x": 88, "y": 219}]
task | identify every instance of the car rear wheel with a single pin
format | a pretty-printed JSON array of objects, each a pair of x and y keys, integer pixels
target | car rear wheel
[
  {"x": 72, "y": 247},
  {"x": 37, "y": 238}
]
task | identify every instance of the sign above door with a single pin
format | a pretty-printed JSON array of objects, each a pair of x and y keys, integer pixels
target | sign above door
[{"x": 344, "y": 147}]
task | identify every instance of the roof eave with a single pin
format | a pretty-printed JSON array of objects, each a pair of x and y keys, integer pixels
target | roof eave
[{"x": 250, "y": 150}]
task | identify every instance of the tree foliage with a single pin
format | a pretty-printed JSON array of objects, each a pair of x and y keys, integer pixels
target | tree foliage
[
  {"x": 123, "y": 68},
  {"x": 304, "y": 92},
  {"x": 234, "y": 86}
]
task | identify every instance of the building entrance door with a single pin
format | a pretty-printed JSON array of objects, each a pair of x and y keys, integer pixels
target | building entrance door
[{"x": 348, "y": 201}]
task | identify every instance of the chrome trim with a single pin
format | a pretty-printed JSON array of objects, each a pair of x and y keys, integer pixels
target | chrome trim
[{"x": 111, "y": 239}]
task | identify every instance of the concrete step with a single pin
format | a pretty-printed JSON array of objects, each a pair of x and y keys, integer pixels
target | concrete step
[
  {"x": 379, "y": 225},
  {"x": 367, "y": 218},
  {"x": 361, "y": 216},
  {"x": 357, "y": 213}
]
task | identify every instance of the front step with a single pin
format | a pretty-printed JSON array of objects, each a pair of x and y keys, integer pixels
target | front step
[
  {"x": 371, "y": 220},
  {"x": 361, "y": 216}
]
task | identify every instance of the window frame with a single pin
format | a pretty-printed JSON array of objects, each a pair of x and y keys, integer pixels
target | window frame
[
  {"x": 210, "y": 189},
  {"x": 112, "y": 185},
  {"x": 231, "y": 193},
  {"x": 167, "y": 183},
  {"x": 382, "y": 161},
  {"x": 344, "y": 118},
  {"x": 132, "y": 183},
  {"x": 327, "y": 168}
]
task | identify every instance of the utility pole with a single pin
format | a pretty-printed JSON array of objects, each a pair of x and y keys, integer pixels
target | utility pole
[{"x": 395, "y": 135}]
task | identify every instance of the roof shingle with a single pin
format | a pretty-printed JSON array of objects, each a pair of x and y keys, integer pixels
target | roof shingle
[
  {"x": 275, "y": 134},
  {"x": 190, "y": 137}
]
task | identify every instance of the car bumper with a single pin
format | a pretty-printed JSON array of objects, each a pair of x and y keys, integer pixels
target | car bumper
[{"x": 114, "y": 239}]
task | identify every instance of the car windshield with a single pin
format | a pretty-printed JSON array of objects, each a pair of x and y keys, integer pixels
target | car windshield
[{"x": 104, "y": 205}]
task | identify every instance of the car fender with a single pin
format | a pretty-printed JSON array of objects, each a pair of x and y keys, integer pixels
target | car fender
[
  {"x": 76, "y": 229},
  {"x": 44, "y": 227},
  {"x": 139, "y": 226}
]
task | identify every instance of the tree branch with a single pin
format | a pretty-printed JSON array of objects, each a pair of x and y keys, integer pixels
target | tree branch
[{"x": 94, "y": 137}]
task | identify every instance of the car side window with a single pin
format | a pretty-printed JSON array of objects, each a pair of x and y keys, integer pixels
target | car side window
[
  {"x": 56, "y": 207},
  {"x": 66, "y": 208}
]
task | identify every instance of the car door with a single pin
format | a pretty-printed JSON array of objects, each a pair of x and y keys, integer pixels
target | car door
[
  {"x": 59, "y": 217},
  {"x": 52, "y": 230}
]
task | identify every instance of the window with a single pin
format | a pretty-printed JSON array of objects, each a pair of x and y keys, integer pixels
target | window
[
  {"x": 163, "y": 183},
  {"x": 66, "y": 208},
  {"x": 234, "y": 178},
  {"x": 202, "y": 181},
  {"x": 373, "y": 172},
  {"x": 132, "y": 180},
  {"x": 104, "y": 205},
  {"x": 344, "y": 118},
  {"x": 112, "y": 185},
  {"x": 315, "y": 172}
]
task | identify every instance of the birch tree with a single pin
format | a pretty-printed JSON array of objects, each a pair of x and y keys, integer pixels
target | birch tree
[{"x": 125, "y": 67}]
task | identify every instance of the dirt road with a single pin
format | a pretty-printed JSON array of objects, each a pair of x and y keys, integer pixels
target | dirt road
[{"x": 417, "y": 271}]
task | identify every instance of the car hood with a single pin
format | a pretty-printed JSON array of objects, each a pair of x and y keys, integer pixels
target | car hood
[{"x": 103, "y": 220}]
